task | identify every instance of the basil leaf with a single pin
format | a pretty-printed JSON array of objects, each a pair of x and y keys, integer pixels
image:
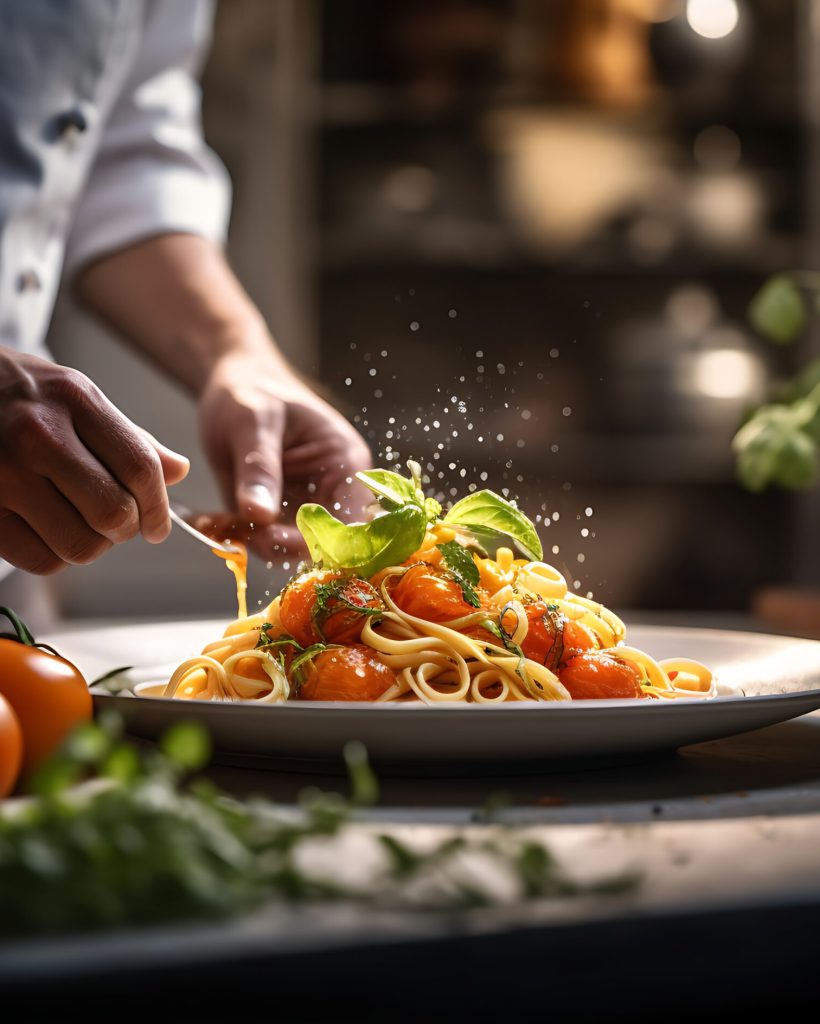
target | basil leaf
[
  {"x": 778, "y": 310},
  {"x": 391, "y": 489},
  {"x": 463, "y": 569},
  {"x": 364, "y": 548},
  {"x": 489, "y": 513}
]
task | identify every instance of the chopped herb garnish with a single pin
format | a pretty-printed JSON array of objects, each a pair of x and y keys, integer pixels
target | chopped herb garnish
[
  {"x": 303, "y": 659},
  {"x": 556, "y": 652},
  {"x": 502, "y": 636},
  {"x": 463, "y": 570},
  {"x": 342, "y": 593},
  {"x": 266, "y": 643}
]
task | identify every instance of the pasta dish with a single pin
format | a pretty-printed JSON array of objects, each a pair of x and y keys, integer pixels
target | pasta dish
[{"x": 413, "y": 607}]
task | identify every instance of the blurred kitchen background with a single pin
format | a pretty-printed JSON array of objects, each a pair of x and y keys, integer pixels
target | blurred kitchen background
[{"x": 515, "y": 240}]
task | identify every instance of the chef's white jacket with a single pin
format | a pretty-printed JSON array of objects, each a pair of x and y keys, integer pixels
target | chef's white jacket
[{"x": 100, "y": 143}]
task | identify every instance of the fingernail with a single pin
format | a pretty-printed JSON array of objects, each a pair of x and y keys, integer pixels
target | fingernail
[{"x": 259, "y": 495}]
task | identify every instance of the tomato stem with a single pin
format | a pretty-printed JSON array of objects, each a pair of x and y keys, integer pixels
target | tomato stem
[{"x": 24, "y": 635}]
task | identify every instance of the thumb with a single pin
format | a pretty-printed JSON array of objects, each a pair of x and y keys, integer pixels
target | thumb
[
  {"x": 258, "y": 480},
  {"x": 174, "y": 466}
]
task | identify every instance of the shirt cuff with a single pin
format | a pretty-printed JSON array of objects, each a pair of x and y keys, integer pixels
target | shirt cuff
[{"x": 154, "y": 198}]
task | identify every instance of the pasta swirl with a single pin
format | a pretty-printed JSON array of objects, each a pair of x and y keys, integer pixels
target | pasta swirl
[{"x": 485, "y": 652}]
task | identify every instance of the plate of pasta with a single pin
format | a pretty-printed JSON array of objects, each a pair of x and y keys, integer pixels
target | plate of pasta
[{"x": 437, "y": 636}]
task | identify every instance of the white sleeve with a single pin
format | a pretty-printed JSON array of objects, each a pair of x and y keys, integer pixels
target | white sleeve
[{"x": 153, "y": 173}]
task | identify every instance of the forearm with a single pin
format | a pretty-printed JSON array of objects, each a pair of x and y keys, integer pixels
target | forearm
[
  {"x": 272, "y": 443},
  {"x": 175, "y": 298}
]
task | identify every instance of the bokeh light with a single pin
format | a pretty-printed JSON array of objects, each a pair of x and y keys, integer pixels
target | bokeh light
[{"x": 712, "y": 19}]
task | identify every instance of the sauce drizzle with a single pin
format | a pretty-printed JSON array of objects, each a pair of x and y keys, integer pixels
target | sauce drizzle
[{"x": 237, "y": 563}]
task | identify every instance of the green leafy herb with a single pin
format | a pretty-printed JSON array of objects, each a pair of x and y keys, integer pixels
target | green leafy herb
[
  {"x": 778, "y": 310},
  {"x": 390, "y": 488},
  {"x": 150, "y": 844},
  {"x": 779, "y": 445},
  {"x": 503, "y": 638},
  {"x": 112, "y": 682},
  {"x": 364, "y": 786},
  {"x": 489, "y": 514},
  {"x": 303, "y": 659},
  {"x": 326, "y": 594},
  {"x": 463, "y": 569},
  {"x": 266, "y": 643},
  {"x": 801, "y": 386},
  {"x": 338, "y": 594},
  {"x": 364, "y": 548},
  {"x": 187, "y": 746},
  {"x": 432, "y": 509},
  {"x": 394, "y": 491},
  {"x": 556, "y": 652}
]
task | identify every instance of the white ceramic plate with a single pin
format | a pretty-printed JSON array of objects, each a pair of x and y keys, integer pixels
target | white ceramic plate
[{"x": 771, "y": 679}]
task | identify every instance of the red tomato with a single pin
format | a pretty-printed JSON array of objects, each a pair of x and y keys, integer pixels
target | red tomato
[
  {"x": 298, "y": 602},
  {"x": 345, "y": 673},
  {"x": 544, "y": 626},
  {"x": 11, "y": 748},
  {"x": 336, "y": 622},
  {"x": 427, "y": 594},
  {"x": 599, "y": 675},
  {"x": 48, "y": 694},
  {"x": 341, "y": 623}
]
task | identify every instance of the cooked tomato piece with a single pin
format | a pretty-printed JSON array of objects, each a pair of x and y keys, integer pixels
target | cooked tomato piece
[
  {"x": 426, "y": 593},
  {"x": 322, "y": 605},
  {"x": 552, "y": 639},
  {"x": 345, "y": 673},
  {"x": 297, "y": 604},
  {"x": 541, "y": 632},
  {"x": 340, "y": 621},
  {"x": 599, "y": 675},
  {"x": 577, "y": 639}
]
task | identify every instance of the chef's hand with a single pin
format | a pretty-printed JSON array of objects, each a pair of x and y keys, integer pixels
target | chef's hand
[
  {"x": 274, "y": 444},
  {"x": 76, "y": 476}
]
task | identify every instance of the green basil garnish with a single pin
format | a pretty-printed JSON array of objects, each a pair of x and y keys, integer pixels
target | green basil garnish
[{"x": 489, "y": 514}]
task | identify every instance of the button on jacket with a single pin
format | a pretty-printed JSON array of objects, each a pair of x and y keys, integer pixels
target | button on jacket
[{"x": 100, "y": 143}]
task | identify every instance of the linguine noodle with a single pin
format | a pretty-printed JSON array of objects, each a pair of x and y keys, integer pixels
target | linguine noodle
[{"x": 438, "y": 662}]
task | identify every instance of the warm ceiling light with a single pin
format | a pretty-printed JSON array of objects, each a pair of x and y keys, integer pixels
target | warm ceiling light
[{"x": 712, "y": 19}]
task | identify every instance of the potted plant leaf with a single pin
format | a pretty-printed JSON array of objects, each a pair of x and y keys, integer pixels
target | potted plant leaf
[{"x": 779, "y": 443}]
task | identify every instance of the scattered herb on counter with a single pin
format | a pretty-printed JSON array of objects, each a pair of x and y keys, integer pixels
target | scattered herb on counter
[{"x": 148, "y": 841}]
